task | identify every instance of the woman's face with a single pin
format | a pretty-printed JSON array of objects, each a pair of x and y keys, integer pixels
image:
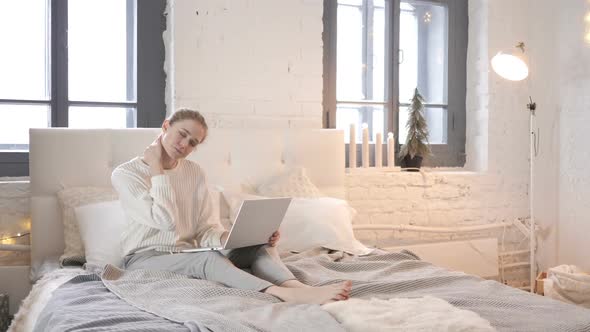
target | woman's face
[{"x": 181, "y": 138}]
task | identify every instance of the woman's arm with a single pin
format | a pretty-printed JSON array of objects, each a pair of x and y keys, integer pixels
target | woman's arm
[
  {"x": 209, "y": 232},
  {"x": 150, "y": 204}
]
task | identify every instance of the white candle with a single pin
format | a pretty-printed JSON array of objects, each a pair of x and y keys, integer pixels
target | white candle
[
  {"x": 365, "y": 148},
  {"x": 352, "y": 147},
  {"x": 390, "y": 150},
  {"x": 378, "y": 150}
]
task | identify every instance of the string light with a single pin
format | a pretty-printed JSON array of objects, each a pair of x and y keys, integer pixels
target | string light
[
  {"x": 18, "y": 235},
  {"x": 427, "y": 17}
]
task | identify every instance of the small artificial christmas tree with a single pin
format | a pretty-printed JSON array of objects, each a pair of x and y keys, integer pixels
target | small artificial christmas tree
[{"x": 416, "y": 146}]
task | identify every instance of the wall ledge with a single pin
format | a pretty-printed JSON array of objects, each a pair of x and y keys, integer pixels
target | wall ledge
[{"x": 425, "y": 170}]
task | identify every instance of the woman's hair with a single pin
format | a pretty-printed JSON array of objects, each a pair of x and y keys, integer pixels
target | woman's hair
[{"x": 188, "y": 114}]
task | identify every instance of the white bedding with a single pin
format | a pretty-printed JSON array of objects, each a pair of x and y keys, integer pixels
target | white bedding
[{"x": 26, "y": 317}]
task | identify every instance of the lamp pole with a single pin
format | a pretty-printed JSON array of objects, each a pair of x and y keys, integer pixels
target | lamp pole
[{"x": 531, "y": 107}]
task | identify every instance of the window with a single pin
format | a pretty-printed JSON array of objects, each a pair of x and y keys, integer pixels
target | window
[
  {"x": 376, "y": 52},
  {"x": 78, "y": 64}
]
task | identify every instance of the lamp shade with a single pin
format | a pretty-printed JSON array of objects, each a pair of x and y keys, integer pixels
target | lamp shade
[{"x": 510, "y": 66}]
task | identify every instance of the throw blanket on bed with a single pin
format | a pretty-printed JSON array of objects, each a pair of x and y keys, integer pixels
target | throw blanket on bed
[
  {"x": 40, "y": 294},
  {"x": 203, "y": 305},
  {"x": 420, "y": 314},
  {"x": 209, "y": 306}
]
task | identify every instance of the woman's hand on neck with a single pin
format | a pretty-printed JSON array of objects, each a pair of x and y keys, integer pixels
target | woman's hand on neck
[{"x": 157, "y": 158}]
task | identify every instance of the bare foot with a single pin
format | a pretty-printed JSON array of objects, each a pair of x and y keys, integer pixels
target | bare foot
[{"x": 312, "y": 295}]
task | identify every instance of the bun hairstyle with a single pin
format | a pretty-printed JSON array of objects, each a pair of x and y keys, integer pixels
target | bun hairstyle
[{"x": 188, "y": 114}]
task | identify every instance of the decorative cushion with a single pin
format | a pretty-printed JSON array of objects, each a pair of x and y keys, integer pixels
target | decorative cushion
[
  {"x": 292, "y": 183},
  {"x": 101, "y": 225},
  {"x": 69, "y": 199}
]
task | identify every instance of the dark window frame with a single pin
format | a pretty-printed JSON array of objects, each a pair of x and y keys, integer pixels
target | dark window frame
[
  {"x": 451, "y": 154},
  {"x": 151, "y": 78}
]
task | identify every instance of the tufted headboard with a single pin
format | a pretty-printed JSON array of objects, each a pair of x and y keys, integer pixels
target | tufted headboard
[{"x": 61, "y": 157}]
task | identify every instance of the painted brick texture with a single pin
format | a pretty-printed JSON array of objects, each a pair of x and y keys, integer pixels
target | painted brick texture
[
  {"x": 433, "y": 199},
  {"x": 249, "y": 64}
]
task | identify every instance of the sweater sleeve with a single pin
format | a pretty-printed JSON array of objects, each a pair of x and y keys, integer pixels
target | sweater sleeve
[
  {"x": 209, "y": 229},
  {"x": 151, "y": 204}
]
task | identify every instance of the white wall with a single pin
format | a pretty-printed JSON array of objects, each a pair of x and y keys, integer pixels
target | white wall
[
  {"x": 574, "y": 139},
  {"x": 477, "y": 98},
  {"x": 558, "y": 47},
  {"x": 544, "y": 86},
  {"x": 249, "y": 64}
]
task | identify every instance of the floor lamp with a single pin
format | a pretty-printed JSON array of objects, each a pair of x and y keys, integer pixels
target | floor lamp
[{"x": 512, "y": 65}]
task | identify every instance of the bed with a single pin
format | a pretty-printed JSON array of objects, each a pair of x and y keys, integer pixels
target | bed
[{"x": 410, "y": 293}]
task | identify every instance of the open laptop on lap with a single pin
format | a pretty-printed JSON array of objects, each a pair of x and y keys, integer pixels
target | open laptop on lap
[{"x": 255, "y": 222}]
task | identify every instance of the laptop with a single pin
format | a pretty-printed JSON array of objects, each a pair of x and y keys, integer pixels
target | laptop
[{"x": 256, "y": 221}]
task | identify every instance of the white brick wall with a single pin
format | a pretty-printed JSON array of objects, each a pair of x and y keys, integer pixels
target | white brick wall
[
  {"x": 543, "y": 48},
  {"x": 559, "y": 80},
  {"x": 573, "y": 33},
  {"x": 434, "y": 198},
  {"x": 477, "y": 97},
  {"x": 248, "y": 64}
]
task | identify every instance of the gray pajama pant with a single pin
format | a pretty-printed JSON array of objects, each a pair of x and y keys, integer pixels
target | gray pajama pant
[{"x": 224, "y": 267}]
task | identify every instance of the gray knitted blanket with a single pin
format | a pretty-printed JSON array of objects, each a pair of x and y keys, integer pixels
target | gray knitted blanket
[{"x": 200, "y": 305}]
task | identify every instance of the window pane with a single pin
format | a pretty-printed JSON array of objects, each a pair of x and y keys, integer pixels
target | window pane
[
  {"x": 98, "y": 53},
  {"x": 361, "y": 51},
  {"x": 423, "y": 51},
  {"x": 15, "y": 121},
  {"x": 101, "y": 117},
  {"x": 24, "y": 59},
  {"x": 378, "y": 90},
  {"x": 436, "y": 118},
  {"x": 372, "y": 115},
  {"x": 349, "y": 52}
]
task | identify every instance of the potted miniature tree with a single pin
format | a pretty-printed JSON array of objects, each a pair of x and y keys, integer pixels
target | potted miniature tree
[{"x": 416, "y": 146}]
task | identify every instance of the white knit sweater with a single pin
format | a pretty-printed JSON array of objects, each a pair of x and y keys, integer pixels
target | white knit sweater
[{"x": 167, "y": 212}]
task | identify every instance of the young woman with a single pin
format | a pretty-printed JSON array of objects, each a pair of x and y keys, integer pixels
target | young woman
[{"x": 167, "y": 203}]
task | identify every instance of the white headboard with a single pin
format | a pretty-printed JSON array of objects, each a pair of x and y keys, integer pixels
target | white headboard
[{"x": 61, "y": 157}]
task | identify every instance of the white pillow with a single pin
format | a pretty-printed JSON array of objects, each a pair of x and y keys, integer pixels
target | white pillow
[
  {"x": 311, "y": 222},
  {"x": 101, "y": 225},
  {"x": 323, "y": 221},
  {"x": 292, "y": 183},
  {"x": 69, "y": 199}
]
